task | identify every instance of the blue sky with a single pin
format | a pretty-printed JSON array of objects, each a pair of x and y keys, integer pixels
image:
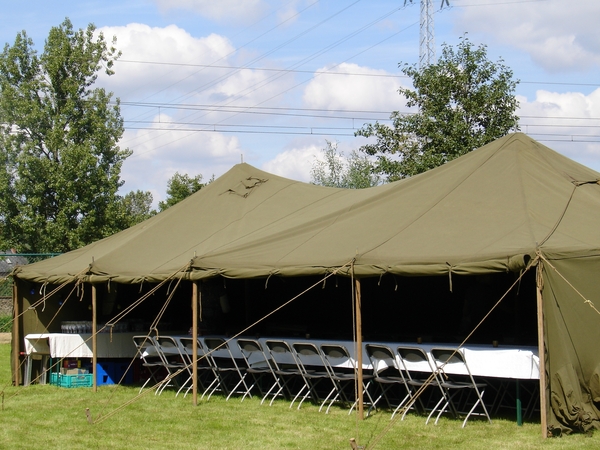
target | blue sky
[{"x": 205, "y": 84}]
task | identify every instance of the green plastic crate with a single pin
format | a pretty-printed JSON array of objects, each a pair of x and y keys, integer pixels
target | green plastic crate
[{"x": 70, "y": 381}]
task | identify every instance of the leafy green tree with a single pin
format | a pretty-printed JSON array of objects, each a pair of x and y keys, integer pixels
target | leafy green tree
[
  {"x": 58, "y": 142},
  {"x": 356, "y": 172},
  {"x": 179, "y": 187},
  {"x": 464, "y": 102},
  {"x": 138, "y": 206}
]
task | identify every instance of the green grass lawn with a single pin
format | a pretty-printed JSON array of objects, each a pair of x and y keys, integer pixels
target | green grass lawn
[{"x": 44, "y": 416}]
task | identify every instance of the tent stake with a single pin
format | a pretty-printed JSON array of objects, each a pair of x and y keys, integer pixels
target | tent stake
[{"x": 541, "y": 352}]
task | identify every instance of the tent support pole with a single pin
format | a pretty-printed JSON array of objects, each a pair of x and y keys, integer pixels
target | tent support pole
[
  {"x": 195, "y": 343},
  {"x": 16, "y": 341},
  {"x": 359, "y": 354},
  {"x": 541, "y": 352},
  {"x": 94, "y": 341}
]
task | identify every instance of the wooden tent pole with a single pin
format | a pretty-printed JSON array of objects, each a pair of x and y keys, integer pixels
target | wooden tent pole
[
  {"x": 16, "y": 335},
  {"x": 94, "y": 341},
  {"x": 195, "y": 343},
  {"x": 359, "y": 353},
  {"x": 541, "y": 351}
]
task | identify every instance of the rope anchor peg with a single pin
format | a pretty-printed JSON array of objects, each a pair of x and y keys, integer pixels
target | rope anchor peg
[{"x": 354, "y": 445}]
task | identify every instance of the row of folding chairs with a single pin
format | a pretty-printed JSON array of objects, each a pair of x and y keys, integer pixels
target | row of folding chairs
[
  {"x": 169, "y": 359},
  {"x": 279, "y": 369},
  {"x": 433, "y": 382},
  {"x": 405, "y": 377}
]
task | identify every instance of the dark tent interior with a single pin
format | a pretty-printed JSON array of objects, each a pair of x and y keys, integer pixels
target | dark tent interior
[{"x": 396, "y": 309}]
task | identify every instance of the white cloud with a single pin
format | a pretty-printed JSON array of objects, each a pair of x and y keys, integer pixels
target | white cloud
[
  {"x": 141, "y": 44},
  {"x": 241, "y": 11},
  {"x": 162, "y": 150},
  {"x": 557, "y": 35},
  {"x": 288, "y": 13},
  {"x": 566, "y": 122},
  {"x": 249, "y": 88},
  {"x": 343, "y": 90},
  {"x": 295, "y": 162},
  {"x": 184, "y": 75}
]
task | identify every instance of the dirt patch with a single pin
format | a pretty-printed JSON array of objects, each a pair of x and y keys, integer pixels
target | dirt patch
[{"x": 5, "y": 338}]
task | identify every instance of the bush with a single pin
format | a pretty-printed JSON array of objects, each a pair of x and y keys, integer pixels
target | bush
[{"x": 5, "y": 324}]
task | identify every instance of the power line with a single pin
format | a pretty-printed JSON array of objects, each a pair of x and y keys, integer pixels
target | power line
[
  {"x": 321, "y": 131},
  {"x": 277, "y": 110},
  {"x": 322, "y": 72},
  {"x": 264, "y": 69},
  {"x": 295, "y": 112},
  {"x": 262, "y": 84}
]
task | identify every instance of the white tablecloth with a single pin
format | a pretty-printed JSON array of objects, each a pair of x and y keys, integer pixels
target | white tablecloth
[
  {"x": 487, "y": 361},
  {"x": 61, "y": 345},
  {"x": 516, "y": 362}
]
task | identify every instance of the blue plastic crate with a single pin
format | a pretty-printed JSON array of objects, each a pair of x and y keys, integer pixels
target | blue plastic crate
[
  {"x": 111, "y": 372},
  {"x": 104, "y": 373}
]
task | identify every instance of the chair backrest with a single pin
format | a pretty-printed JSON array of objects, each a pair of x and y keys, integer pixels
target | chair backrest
[
  {"x": 253, "y": 353},
  {"x": 450, "y": 360},
  {"x": 307, "y": 356},
  {"x": 220, "y": 353},
  {"x": 186, "y": 345},
  {"x": 145, "y": 347},
  {"x": 217, "y": 347},
  {"x": 415, "y": 359},
  {"x": 337, "y": 358},
  {"x": 382, "y": 358},
  {"x": 281, "y": 354},
  {"x": 168, "y": 348}
]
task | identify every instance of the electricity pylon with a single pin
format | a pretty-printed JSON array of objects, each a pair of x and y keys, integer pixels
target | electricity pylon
[{"x": 426, "y": 32}]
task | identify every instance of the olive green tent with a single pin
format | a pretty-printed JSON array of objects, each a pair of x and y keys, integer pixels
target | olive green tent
[{"x": 503, "y": 207}]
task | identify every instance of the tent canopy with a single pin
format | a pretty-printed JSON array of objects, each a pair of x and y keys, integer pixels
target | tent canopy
[{"x": 490, "y": 210}]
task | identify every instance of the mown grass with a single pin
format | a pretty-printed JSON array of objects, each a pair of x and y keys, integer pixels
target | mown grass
[{"x": 50, "y": 417}]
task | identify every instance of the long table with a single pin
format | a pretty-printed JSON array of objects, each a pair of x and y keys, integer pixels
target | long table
[
  {"x": 63, "y": 345},
  {"x": 513, "y": 362}
]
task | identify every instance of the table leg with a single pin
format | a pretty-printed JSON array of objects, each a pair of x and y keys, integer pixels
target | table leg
[
  {"x": 27, "y": 380},
  {"x": 519, "y": 409},
  {"x": 44, "y": 371}
]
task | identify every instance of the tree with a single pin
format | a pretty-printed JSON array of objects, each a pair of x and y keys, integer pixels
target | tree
[
  {"x": 356, "y": 172},
  {"x": 138, "y": 207},
  {"x": 179, "y": 187},
  {"x": 58, "y": 142},
  {"x": 464, "y": 102}
]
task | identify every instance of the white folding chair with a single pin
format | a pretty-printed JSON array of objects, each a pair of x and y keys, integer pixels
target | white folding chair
[
  {"x": 170, "y": 355},
  {"x": 312, "y": 367},
  {"x": 258, "y": 365},
  {"x": 150, "y": 358},
  {"x": 227, "y": 369},
  {"x": 205, "y": 371},
  {"x": 388, "y": 376},
  {"x": 342, "y": 370},
  {"x": 456, "y": 379},
  {"x": 286, "y": 369},
  {"x": 420, "y": 376}
]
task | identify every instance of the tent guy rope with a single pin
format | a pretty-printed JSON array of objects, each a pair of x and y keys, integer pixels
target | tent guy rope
[
  {"x": 427, "y": 382},
  {"x": 178, "y": 372}
]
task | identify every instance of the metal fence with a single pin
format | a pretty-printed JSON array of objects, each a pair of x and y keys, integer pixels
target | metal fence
[{"x": 8, "y": 261}]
